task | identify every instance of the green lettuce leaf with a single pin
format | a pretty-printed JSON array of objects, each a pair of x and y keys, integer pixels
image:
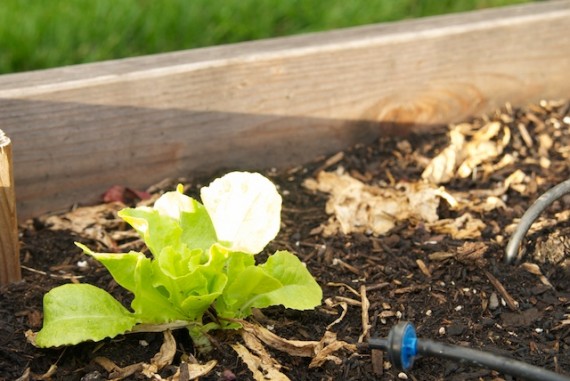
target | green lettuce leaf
[
  {"x": 192, "y": 217},
  {"x": 134, "y": 272},
  {"x": 282, "y": 280},
  {"x": 157, "y": 230},
  {"x": 178, "y": 262},
  {"x": 197, "y": 228},
  {"x": 79, "y": 312},
  {"x": 240, "y": 294},
  {"x": 300, "y": 291}
]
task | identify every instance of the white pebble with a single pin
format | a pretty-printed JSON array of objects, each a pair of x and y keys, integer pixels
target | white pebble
[
  {"x": 402, "y": 376},
  {"x": 458, "y": 308},
  {"x": 428, "y": 313},
  {"x": 493, "y": 301},
  {"x": 442, "y": 331}
]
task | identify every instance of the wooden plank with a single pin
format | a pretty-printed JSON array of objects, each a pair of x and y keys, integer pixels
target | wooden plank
[
  {"x": 79, "y": 129},
  {"x": 9, "y": 243}
]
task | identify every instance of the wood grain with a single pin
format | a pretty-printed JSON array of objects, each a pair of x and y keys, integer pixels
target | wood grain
[
  {"x": 9, "y": 243},
  {"x": 278, "y": 102}
]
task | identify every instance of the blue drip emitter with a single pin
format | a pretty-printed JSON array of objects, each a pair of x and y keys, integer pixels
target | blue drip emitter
[{"x": 403, "y": 346}]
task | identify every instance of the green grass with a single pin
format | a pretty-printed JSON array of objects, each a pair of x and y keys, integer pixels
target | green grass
[{"x": 38, "y": 34}]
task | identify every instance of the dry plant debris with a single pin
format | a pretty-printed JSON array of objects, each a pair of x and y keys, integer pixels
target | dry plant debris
[
  {"x": 470, "y": 147},
  {"x": 477, "y": 150},
  {"x": 320, "y": 351},
  {"x": 160, "y": 360},
  {"x": 260, "y": 362},
  {"x": 361, "y": 208}
]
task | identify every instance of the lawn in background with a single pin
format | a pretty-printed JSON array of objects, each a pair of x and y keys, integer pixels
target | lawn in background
[{"x": 38, "y": 34}]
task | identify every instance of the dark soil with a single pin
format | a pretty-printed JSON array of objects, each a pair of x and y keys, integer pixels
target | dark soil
[{"x": 455, "y": 302}]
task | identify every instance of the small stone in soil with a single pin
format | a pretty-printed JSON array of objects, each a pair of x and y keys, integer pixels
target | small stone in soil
[
  {"x": 93, "y": 376},
  {"x": 228, "y": 375},
  {"x": 493, "y": 301}
]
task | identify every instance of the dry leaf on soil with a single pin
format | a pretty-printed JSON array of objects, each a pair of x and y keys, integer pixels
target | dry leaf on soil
[
  {"x": 470, "y": 253},
  {"x": 99, "y": 222},
  {"x": 320, "y": 351},
  {"x": 292, "y": 347},
  {"x": 343, "y": 304},
  {"x": 464, "y": 227},
  {"x": 358, "y": 207},
  {"x": 326, "y": 347},
  {"x": 535, "y": 270},
  {"x": 260, "y": 363},
  {"x": 468, "y": 149},
  {"x": 163, "y": 358},
  {"x": 442, "y": 168},
  {"x": 541, "y": 223}
]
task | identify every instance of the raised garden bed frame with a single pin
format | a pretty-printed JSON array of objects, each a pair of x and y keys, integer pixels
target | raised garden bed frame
[{"x": 78, "y": 130}]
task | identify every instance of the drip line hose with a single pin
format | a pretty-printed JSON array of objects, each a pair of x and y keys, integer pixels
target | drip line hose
[
  {"x": 402, "y": 346},
  {"x": 532, "y": 214}
]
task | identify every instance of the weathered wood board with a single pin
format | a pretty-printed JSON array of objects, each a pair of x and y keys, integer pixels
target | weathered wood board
[
  {"x": 9, "y": 241},
  {"x": 78, "y": 130}
]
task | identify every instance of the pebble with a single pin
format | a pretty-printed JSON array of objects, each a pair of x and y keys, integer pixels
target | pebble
[
  {"x": 402, "y": 376},
  {"x": 93, "y": 376},
  {"x": 228, "y": 375},
  {"x": 493, "y": 301}
]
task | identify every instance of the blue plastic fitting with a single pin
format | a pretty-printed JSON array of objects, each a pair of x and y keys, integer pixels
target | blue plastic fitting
[{"x": 402, "y": 345}]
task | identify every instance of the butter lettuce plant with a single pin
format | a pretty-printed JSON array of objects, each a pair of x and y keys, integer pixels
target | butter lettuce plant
[{"x": 201, "y": 273}]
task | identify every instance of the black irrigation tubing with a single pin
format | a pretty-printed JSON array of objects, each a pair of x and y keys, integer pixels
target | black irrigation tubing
[
  {"x": 531, "y": 215},
  {"x": 403, "y": 346}
]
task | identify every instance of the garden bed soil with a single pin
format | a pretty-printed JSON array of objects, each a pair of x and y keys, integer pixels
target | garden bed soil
[{"x": 448, "y": 287}]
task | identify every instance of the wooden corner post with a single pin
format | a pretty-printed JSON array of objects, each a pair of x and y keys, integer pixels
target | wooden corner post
[{"x": 9, "y": 244}]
